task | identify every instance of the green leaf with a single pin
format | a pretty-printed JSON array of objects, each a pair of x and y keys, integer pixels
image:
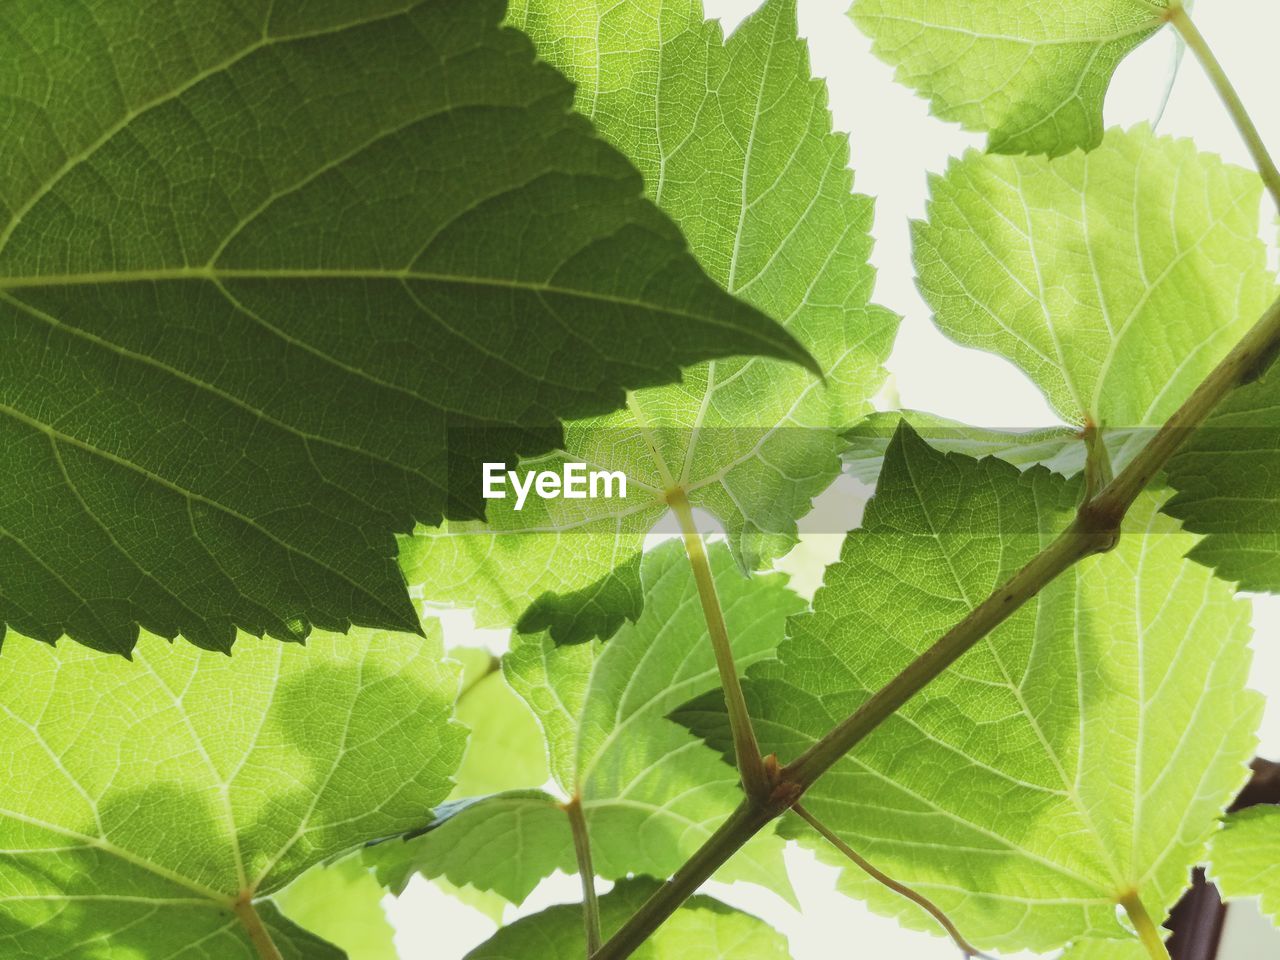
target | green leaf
[
  {"x": 144, "y": 798},
  {"x": 735, "y": 142},
  {"x": 277, "y": 279},
  {"x": 719, "y": 932},
  {"x": 1032, "y": 72},
  {"x": 1061, "y": 449},
  {"x": 292, "y": 941},
  {"x": 1115, "y": 279},
  {"x": 1245, "y": 857},
  {"x": 651, "y": 794},
  {"x": 476, "y": 663},
  {"x": 1095, "y": 949},
  {"x": 1081, "y": 752},
  {"x": 505, "y": 843},
  {"x": 484, "y": 902},
  {"x": 1227, "y": 479},
  {"x": 343, "y": 903},
  {"x": 505, "y": 749}
]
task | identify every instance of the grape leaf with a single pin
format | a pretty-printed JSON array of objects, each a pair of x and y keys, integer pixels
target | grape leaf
[
  {"x": 274, "y": 280},
  {"x": 343, "y": 903},
  {"x": 1245, "y": 857},
  {"x": 1032, "y": 72},
  {"x": 505, "y": 749},
  {"x": 1227, "y": 478},
  {"x": 1097, "y": 949},
  {"x": 650, "y": 793},
  {"x": 292, "y": 941},
  {"x": 1081, "y": 752},
  {"x": 506, "y": 755},
  {"x": 735, "y": 142},
  {"x": 504, "y": 842},
  {"x": 1115, "y": 279},
  {"x": 144, "y": 799},
  {"x": 1061, "y": 449},
  {"x": 477, "y": 663},
  {"x": 720, "y": 932}
]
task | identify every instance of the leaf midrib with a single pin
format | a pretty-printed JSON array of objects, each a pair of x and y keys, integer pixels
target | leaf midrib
[{"x": 220, "y": 274}]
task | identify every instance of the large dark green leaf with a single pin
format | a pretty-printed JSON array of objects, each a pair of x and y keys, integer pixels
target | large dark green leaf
[{"x": 274, "y": 277}]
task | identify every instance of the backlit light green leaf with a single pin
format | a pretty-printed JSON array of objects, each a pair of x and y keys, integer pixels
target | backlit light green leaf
[
  {"x": 735, "y": 143},
  {"x": 1032, "y": 72},
  {"x": 1081, "y": 752},
  {"x": 143, "y": 799},
  {"x": 1115, "y": 279}
]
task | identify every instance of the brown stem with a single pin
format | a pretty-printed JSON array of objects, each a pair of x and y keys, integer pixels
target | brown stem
[{"x": 1095, "y": 529}]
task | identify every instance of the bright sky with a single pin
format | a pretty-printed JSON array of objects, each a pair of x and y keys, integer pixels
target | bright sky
[{"x": 894, "y": 142}]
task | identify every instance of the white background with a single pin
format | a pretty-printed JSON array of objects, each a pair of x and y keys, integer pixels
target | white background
[{"x": 894, "y": 143}]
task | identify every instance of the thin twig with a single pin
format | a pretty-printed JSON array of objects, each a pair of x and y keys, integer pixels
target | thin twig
[
  {"x": 919, "y": 899},
  {"x": 582, "y": 850},
  {"x": 1181, "y": 20},
  {"x": 746, "y": 747}
]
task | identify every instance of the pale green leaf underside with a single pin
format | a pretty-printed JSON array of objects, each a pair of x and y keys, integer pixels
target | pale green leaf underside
[
  {"x": 735, "y": 143},
  {"x": 650, "y": 792},
  {"x": 1060, "y": 449},
  {"x": 1115, "y": 279},
  {"x": 143, "y": 797},
  {"x": 342, "y": 902},
  {"x": 506, "y": 754},
  {"x": 276, "y": 278},
  {"x": 1227, "y": 479},
  {"x": 854, "y": 882},
  {"x": 505, "y": 748},
  {"x": 719, "y": 932},
  {"x": 1032, "y": 72},
  {"x": 506, "y": 843},
  {"x": 1245, "y": 858},
  {"x": 1097, "y": 949},
  {"x": 1050, "y": 770}
]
